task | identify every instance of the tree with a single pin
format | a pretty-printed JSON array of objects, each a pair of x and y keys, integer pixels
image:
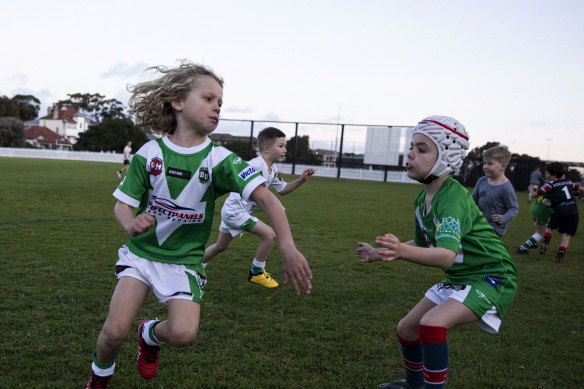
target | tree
[
  {"x": 28, "y": 106},
  {"x": 241, "y": 149},
  {"x": 111, "y": 135},
  {"x": 303, "y": 153},
  {"x": 8, "y": 108},
  {"x": 477, "y": 152},
  {"x": 96, "y": 106},
  {"x": 11, "y": 132},
  {"x": 574, "y": 175}
]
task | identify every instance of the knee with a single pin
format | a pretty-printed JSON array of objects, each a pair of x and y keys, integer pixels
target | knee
[
  {"x": 270, "y": 236},
  {"x": 182, "y": 336},
  {"x": 114, "y": 334},
  {"x": 407, "y": 330}
]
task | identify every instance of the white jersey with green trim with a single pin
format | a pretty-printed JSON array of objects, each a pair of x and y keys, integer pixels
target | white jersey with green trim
[
  {"x": 235, "y": 203},
  {"x": 178, "y": 186}
]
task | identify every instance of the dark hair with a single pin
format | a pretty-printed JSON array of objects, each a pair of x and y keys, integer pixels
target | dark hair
[
  {"x": 556, "y": 169},
  {"x": 267, "y": 135}
]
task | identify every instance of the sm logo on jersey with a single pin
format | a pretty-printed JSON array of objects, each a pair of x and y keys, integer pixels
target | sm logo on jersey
[
  {"x": 247, "y": 173},
  {"x": 203, "y": 174},
  {"x": 155, "y": 166}
]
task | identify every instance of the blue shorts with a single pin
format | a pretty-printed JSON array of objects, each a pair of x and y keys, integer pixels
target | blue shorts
[{"x": 566, "y": 223}]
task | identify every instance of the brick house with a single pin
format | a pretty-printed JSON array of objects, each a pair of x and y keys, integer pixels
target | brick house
[{"x": 41, "y": 137}]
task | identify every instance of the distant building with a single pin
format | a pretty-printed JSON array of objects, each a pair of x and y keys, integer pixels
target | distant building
[
  {"x": 67, "y": 122},
  {"x": 328, "y": 157},
  {"x": 41, "y": 137}
]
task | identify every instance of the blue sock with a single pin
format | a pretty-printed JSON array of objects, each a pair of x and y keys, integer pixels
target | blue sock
[
  {"x": 435, "y": 351},
  {"x": 412, "y": 354}
]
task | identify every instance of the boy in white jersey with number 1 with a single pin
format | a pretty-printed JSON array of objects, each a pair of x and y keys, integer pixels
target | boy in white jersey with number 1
[
  {"x": 173, "y": 183},
  {"x": 451, "y": 233},
  {"x": 236, "y": 215}
]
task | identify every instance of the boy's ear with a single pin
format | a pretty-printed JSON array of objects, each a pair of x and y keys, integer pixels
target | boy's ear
[{"x": 177, "y": 105}]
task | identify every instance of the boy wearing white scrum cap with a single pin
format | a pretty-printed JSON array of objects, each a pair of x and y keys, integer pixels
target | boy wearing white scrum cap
[{"x": 451, "y": 233}]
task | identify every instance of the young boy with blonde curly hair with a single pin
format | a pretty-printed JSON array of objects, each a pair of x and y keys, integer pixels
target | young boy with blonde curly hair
[{"x": 173, "y": 183}]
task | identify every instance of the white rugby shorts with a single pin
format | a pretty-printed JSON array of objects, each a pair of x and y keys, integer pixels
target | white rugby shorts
[
  {"x": 468, "y": 295},
  {"x": 166, "y": 280}
]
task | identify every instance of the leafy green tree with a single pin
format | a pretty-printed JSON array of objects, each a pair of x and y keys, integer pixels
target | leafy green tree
[
  {"x": 8, "y": 108},
  {"x": 111, "y": 135},
  {"x": 303, "y": 153},
  {"x": 477, "y": 152},
  {"x": 241, "y": 149},
  {"x": 11, "y": 132},
  {"x": 28, "y": 106},
  {"x": 574, "y": 175},
  {"x": 96, "y": 106}
]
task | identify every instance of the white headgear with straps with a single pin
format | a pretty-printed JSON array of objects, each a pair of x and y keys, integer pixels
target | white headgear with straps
[{"x": 451, "y": 139}]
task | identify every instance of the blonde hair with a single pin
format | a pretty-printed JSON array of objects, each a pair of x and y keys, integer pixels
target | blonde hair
[
  {"x": 500, "y": 154},
  {"x": 150, "y": 101}
]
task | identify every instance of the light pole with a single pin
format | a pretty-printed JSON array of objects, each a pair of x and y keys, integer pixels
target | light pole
[{"x": 549, "y": 140}]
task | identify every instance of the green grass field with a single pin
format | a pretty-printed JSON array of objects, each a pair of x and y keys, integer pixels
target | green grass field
[{"x": 58, "y": 247}]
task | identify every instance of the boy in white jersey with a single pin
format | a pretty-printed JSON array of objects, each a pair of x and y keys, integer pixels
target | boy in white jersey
[
  {"x": 452, "y": 234},
  {"x": 173, "y": 182},
  {"x": 236, "y": 215}
]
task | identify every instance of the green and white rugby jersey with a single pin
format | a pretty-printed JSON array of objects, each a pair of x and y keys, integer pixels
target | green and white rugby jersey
[
  {"x": 178, "y": 186},
  {"x": 236, "y": 204},
  {"x": 455, "y": 222}
]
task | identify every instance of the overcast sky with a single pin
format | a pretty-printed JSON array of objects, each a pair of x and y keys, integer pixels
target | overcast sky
[{"x": 510, "y": 71}]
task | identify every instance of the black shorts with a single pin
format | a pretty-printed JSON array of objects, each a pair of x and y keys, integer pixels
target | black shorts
[
  {"x": 126, "y": 161},
  {"x": 566, "y": 223}
]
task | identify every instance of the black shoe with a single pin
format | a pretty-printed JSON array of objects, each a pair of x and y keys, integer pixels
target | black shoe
[
  {"x": 399, "y": 384},
  {"x": 522, "y": 250}
]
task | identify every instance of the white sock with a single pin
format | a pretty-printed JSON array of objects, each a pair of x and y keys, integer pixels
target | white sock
[
  {"x": 258, "y": 264},
  {"x": 103, "y": 372},
  {"x": 537, "y": 237},
  {"x": 148, "y": 335}
]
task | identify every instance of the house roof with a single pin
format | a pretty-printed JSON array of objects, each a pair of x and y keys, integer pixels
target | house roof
[
  {"x": 45, "y": 136},
  {"x": 67, "y": 114}
]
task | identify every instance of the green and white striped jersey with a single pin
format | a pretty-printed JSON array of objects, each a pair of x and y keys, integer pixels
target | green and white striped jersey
[{"x": 178, "y": 186}]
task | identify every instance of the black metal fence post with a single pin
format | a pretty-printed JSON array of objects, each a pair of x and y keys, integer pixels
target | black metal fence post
[
  {"x": 251, "y": 153},
  {"x": 295, "y": 148},
  {"x": 340, "y": 161}
]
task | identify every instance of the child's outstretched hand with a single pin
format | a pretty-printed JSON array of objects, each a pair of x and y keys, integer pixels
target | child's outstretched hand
[
  {"x": 296, "y": 270},
  {"x": 142, "y": 223},
  {"x": 367, "y": 253},
  {"x": 307, "y": 174},
  {"x": 392, "y": 247}
]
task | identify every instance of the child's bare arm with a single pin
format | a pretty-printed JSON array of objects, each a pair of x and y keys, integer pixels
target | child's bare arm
[
  {"x": 134, "y": 226},
  {"x": 297, "y": 182},
  {"x": 294, "y": 264},
  {"x": 394, "y": 249}
]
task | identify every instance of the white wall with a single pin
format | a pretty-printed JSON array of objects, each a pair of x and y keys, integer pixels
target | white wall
[{"x": 321, "y": 171}]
